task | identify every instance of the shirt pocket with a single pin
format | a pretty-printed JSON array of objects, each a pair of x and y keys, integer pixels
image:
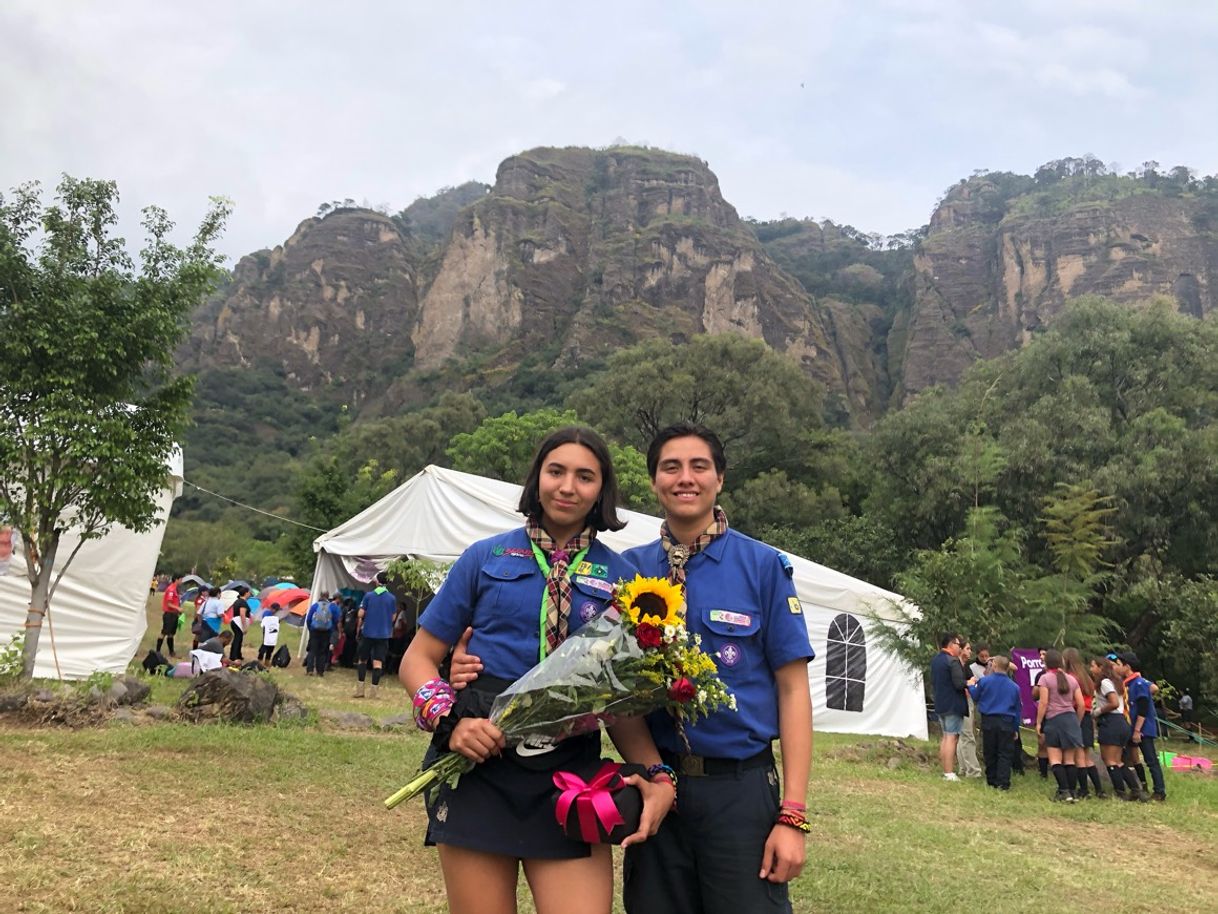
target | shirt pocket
[
  {"x": 589, "y": 597},
  {"x": 734, "y": 637}
]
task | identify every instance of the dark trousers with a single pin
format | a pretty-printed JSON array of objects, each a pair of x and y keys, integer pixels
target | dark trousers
[
  {"x": 998, "y": 746},
  {"x": 1151, "y": 756},
  {"x": 706, "y": 855},
  {"x": 319, "y": 651},
  {"x": 234, "y": 649},
  {"x": 265, "y": 651}
]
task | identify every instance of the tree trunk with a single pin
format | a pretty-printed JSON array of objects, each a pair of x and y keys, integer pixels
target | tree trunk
[{"x": 40, "y": 568}]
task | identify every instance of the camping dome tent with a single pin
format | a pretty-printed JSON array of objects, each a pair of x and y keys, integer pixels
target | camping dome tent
[
  {"x": 98, "y": 612},
  {"x": 857, "y": 686}
]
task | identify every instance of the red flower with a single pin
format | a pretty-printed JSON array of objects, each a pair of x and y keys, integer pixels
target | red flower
[
  {"x": 682, "y": 690},
  {"x": 648, "y": 635}
]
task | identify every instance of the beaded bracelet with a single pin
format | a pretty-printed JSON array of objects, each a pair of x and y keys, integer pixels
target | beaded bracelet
[
  {"x": 432, "y": 700},
  {"x": 662, "y": 769},
  {"x": 795, "y": 820}
]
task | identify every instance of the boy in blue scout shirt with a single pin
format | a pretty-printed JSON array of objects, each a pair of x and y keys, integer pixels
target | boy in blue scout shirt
[
  {"x": 374, "y": 631},
  {"x": 731, "y": 846},
  {"x": 997, "y": 698},
  {"x": 1142, "y": 716},
  {"x": 521, "y": 593}
]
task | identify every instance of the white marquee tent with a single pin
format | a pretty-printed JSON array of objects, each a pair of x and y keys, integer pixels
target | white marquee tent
[
  {"x": 857, "y": 687},
  {"x": 99, "y": 610}
]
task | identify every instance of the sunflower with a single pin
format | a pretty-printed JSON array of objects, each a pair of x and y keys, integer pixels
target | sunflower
[{"x": 652, "y": 600}]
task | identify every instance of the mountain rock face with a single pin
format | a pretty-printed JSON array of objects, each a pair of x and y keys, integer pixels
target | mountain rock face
[
  {"x": 330, "y": 306},
  {"x": 575, "y": 253},
  {"x": 993, "y": 271}
]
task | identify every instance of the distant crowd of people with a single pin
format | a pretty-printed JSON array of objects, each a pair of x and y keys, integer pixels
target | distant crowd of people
[
  {"x": 1106, "y": 701},
  {"x": 340, "y": 631}
]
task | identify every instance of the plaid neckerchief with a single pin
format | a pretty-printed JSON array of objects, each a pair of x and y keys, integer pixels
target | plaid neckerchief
[
  {"x": 679, "y": 554},
  {"x": 558, "y": 588}
]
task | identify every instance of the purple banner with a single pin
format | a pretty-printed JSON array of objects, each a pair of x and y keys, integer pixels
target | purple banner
[{"x": 1027, "y": 663}]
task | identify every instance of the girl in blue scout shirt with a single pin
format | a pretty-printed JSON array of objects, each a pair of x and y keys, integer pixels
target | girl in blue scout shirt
[{"x": 522, "y": 593}]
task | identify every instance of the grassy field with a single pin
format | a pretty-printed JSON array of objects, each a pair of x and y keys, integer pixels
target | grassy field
[{"x": 169, "y": 817}]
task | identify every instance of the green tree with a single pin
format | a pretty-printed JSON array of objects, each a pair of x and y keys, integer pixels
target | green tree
[
  {"x": 754, "y": 504},
  {"x": 759, "y": 402},
  {"x": 89, "y": 406}
]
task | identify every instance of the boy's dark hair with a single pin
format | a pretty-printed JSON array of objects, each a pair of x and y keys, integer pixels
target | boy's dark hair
[
  {"x": 382, "y": 578},
  {"x": 214, "y": 592},
  {"x": 685, "y": 430},
  {"x": 225, "y": 635},
  {"x": 603, "y": 515},
  {"x": 947, "y": 638},
  {"x": 1130, "y": 659}
]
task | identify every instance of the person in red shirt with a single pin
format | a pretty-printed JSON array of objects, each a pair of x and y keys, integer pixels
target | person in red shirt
[{"x": 171, "y": 612}]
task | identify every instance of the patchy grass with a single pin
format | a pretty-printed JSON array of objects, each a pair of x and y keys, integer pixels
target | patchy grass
[{"x": 171, "y": 817}]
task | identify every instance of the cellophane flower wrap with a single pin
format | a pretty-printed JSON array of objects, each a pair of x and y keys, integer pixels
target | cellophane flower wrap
[{"x": 634, "y": 658}]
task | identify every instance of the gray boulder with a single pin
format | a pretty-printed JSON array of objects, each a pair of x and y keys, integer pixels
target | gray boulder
[
  {"x": 346, "y": 720},
  {"x": 229, "y": 695}
]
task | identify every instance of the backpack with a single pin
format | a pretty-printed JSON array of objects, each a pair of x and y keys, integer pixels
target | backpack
[
  {"x": 323, "y": 619},
  {"x": 282, "y": 657},
  {"x": 154, "y": 661}
]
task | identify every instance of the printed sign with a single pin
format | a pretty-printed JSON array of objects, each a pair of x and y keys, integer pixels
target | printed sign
[{"x": 1027, "y": 663}]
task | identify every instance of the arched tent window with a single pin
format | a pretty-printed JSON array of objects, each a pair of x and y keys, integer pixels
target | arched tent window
[{"x": 846, "y": 664}]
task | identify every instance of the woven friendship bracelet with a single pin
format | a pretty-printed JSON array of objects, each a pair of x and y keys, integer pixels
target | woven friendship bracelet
[
  {"x": 794, "y": 806},
  {"x": 795, "y": 820},
  {"x": 432, "y": 700}
]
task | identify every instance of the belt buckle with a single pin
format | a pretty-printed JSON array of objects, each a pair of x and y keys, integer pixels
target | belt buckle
[{"x": 693, "y": 766}]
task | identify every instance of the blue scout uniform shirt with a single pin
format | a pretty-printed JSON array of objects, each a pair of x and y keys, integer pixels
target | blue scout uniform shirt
[
  {"x": 496, "y": 586},
  {"x": 378, "y": 605},
  {"x": 1139, "y": 687},
  {"x": 741, "y": 601},
  {"x": 997, "y": 694}
]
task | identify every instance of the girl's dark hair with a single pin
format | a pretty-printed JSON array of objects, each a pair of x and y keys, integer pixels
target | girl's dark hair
[
  {"x": 214, "y": 592},
  {"x": 1108, "y": 672},
  {"x": 1073, "y": 662},
  {"x": 1053, "y": 661},
  {"x": 685, "y": 430},
  {"x": 603, "y": 515}
]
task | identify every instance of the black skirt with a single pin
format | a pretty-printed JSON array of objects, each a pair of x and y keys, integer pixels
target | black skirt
[
  {"x": 1088, "y": 727},
  {"x": 506, "y": 804},
  {"x": 1114, "y": 729}
]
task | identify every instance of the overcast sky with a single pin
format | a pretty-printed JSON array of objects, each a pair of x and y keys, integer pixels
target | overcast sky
[{"x": 859, "y": 112}]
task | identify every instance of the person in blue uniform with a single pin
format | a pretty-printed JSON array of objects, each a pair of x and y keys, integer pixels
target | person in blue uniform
[
  {"x": 1144, "y": 722},
  {"x": 521, "y": 593},
  {"x": 374, "y": 629},
  {"x": 996, "y": 696},
  {"x": 734, "y": 841}
]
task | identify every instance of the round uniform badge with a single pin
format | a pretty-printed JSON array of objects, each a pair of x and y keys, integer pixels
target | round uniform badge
[
  {"x": 587, "y": 611},
  {"x": 730, "y": 653}
]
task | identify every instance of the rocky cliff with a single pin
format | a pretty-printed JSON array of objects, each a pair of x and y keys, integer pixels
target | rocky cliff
[
  {"x": 997, "y": 266},
  {"x": 575, "y": 253}
]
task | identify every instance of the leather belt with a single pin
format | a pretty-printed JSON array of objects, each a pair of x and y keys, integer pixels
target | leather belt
[{"x": 697, "y": 766}]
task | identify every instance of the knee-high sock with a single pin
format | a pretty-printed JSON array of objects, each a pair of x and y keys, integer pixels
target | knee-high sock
[
  {"x": 1059, "y": 772},
  {"x": 1117, "y": 775},
  {"x": 1094, "y": 773},
  {"x": 376, "y": 675},
  {"x": 1071, "y": 777},
  {"x": 159, "y": 642},
  {"x": 361, "y": 670},
  {"x": 169, "y": 641},
  {"x": 1080, "y": 781},
  {"x": 1131, "y": 778},
  {"x": 1044, "y": 766}
]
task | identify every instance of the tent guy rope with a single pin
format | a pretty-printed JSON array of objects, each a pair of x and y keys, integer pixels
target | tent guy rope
[{"x": 286, "y": 520}]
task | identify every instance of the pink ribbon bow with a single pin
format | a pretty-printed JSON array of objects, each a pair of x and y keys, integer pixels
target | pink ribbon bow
[{"x": 593, "y": 800}]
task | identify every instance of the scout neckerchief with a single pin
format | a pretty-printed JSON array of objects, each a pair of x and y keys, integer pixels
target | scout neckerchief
[
  {"x": 679, "y": 553},
  {"x": 554, "y": 563}
]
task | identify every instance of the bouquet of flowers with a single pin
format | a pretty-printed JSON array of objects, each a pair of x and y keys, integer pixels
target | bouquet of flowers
[{"x": 634, "y": 658}]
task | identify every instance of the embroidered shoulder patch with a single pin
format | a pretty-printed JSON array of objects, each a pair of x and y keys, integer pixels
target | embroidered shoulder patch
[{"x": 794, "y": 605}]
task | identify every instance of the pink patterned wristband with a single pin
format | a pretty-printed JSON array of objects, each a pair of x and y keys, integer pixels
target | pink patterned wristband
[{"x": 432, "y": 700}]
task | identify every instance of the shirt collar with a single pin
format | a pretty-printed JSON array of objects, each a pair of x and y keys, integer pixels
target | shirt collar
[{"x": 1131, "y": 678}]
